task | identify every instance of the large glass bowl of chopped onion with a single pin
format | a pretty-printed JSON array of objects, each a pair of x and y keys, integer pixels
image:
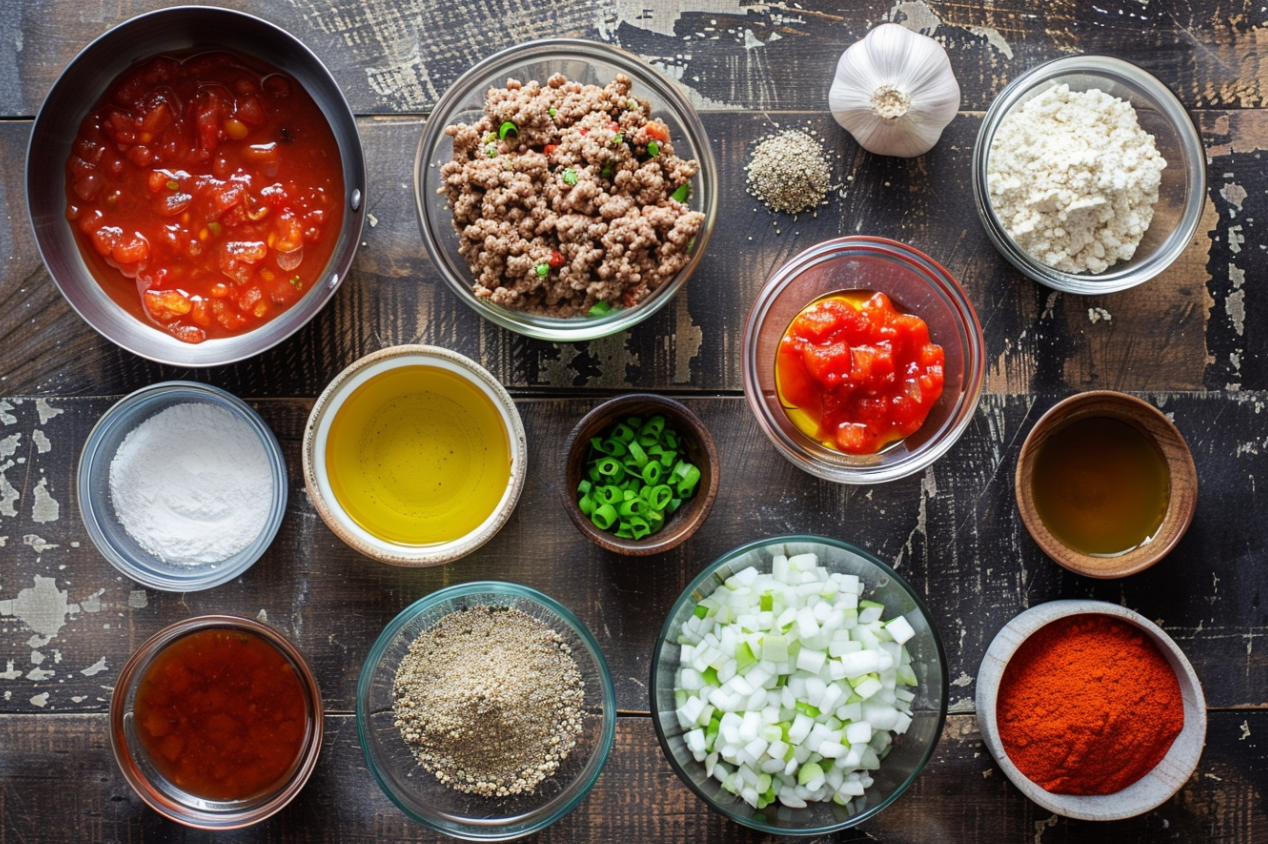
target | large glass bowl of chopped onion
[
  {"x": 1066, "y": 180},
  {"x": 566, "y": 261},
  {"x": 478, "y": 679},
  {"x": 799, "y": 685}
]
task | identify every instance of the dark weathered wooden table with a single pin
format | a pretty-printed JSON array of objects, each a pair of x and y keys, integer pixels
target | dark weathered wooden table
[{"x": 1189, "y": 341}]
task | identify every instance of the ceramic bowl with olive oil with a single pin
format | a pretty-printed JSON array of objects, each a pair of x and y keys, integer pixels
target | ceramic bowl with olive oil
[
  {"x": 414, "y": 455},
  {"x": 1106, "y": 484}
]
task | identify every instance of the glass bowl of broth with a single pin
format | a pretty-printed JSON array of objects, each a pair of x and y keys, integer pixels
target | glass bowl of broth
[{"x": 414, "y": 455}]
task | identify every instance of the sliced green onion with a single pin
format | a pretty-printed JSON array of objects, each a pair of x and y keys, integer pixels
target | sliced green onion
[
  {"x": 570, "y": 176},
  {"x": 619, "y": 137},
  {"x": 600, "y": 308},
  {"x": 607, "y": 171},
  {"x": 543, "y": 270},
  {"x": 629, "y": 471},
  {"x": 604, "y": 516},
  {"x": 683, "y": 193},
  {"x": 507, "y": 128},
  {"x": 653, "y": 149},
  {"x": 611, "y": 468},
  {"x": 633, "y": 507},
  {"x": 553, "y": 112}
]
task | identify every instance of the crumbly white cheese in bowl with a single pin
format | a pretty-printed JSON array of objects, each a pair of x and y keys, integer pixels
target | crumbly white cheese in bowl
[{"x": 1074, "y": 179}]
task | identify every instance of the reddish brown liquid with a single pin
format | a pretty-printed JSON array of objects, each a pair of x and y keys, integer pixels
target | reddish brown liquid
[{"x": 222, "y": 714}]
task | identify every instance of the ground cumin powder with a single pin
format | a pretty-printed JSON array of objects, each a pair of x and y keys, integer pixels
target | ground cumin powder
[{"x": 1088, "y": 705}]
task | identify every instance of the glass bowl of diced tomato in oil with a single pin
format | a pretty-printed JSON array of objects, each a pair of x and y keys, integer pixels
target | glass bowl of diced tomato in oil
[{"x": 863, "y": 360}]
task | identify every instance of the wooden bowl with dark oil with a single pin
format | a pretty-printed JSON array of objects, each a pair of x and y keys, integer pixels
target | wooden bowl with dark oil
[
  {"x": 1106, "y": 484},
  {"x": 697, "y": 447}
]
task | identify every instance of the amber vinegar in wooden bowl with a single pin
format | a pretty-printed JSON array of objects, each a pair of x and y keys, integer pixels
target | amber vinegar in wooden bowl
[{"x": 1106, "y": 484}]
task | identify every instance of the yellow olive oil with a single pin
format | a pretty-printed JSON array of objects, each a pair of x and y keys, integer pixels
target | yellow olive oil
[
  {"x": 418, "y": 456},
  {"x": 1100, "y": 486}
]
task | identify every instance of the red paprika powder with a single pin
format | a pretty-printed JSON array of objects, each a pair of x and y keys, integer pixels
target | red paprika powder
[{"x": 1088, "y": 705}]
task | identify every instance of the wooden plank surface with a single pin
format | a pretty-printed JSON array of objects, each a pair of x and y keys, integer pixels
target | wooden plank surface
[
  {"x": 1190, "y": 341},
  {"x": 1036, "y": 338},
  {"x": 954, "y": 532},
  {"x": 963, "y": 796},
  {"x": 401, "y": 56}
]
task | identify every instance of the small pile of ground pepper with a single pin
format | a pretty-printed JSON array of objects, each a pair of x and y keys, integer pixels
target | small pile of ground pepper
[
  {"x": 789, "y": 171},
  {"x": 490, "y": 700}
]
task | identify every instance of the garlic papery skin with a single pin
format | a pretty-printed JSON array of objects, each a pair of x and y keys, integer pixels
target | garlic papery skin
[{"x": 894, "y": 91}]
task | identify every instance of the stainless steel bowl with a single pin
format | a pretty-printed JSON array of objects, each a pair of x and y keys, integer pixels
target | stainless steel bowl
[{"x": 78, "y": 89}]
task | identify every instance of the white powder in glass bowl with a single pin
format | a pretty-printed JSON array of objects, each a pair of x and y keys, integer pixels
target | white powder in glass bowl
[
  {"x": 1074, "y": 179},
  {"x": 192, "y": 484}
]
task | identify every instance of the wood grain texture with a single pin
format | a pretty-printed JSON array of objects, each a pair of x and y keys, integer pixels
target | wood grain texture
[
  {"x": 1036, "y": 339},
  {"x": 953, "y": 532},
  {"x": 400, "y": 56},
  {"x": 962, "y": 795}
]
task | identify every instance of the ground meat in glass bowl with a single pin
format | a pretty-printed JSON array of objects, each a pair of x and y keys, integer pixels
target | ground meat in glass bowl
[{"x": 568, "y": 198}]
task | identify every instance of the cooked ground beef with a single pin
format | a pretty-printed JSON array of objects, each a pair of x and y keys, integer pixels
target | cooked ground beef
[{"x": 570, "y": 207}]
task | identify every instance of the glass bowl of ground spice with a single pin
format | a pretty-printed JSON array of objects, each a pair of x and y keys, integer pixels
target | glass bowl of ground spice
[
  {"x": 486, "y": 711},
  {"x": 1090, "y": 709},
  {"x": 1069, "y": 176},
  {"x": 182, "y": 486}
]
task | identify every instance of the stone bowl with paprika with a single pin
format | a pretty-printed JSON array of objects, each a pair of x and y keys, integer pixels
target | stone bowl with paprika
[{"x": 1090, "y": 710}]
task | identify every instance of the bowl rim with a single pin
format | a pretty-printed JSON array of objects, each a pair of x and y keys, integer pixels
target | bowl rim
[
  {"x": 157, "y": 577},
  {"x": 493, "y": 589},
  {"x": 819, "y": 460},
  {"x": 557, "y": 329},
  {"x": 693, "y": 514},
  {"x": 688, "y": 594},
  {"x": 327, "y": 406},
  {"x": 133, "y": 671},
  {"x": 1136, "y": 77},
  {"x": 1182, "y": 757},
  {"x": 337, "y": 267},
  {"x": 1162, "y": 434}
]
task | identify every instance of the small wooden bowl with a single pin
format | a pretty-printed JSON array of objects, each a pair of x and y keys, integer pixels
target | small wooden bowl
[
  {"x": 699, "y": 449},
  {"x": 1158, "y": 429},
  {"x": 1151, "y": 790}
]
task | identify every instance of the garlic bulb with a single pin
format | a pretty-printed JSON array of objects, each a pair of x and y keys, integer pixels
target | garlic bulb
[{"x": 894, "y": 91}]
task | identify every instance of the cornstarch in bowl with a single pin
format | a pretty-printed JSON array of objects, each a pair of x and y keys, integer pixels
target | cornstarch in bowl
[
  {"x": 181, "y": 486},
  {"x": 191, "y": 484}
]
